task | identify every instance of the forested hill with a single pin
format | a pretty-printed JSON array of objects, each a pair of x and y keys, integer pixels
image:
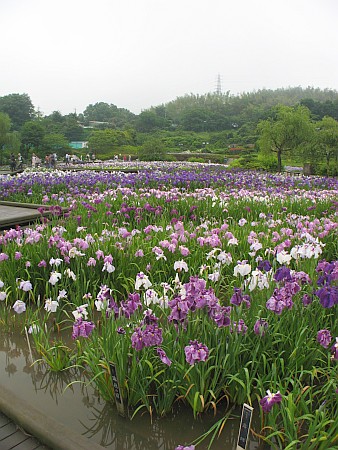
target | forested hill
[{"x": 216, "y": 112}]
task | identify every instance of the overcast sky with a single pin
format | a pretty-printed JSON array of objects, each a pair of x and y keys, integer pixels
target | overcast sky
[{"x": 67, "y": 54}]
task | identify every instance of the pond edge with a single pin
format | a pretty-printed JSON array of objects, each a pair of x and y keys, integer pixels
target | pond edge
[{"x": 46, "y": 429}]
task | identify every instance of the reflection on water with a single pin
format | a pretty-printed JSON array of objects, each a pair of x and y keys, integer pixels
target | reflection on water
[{"x": 78, "y": 406}]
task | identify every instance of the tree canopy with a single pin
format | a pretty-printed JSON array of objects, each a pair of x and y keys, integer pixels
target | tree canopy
[
  {"x": 284, "y": 133},
  {"x": 19, "y": 107},
  {"x": 108, "y": 141},
  {"x": 9, "y": 140},
  {"x": 152, "y": 150},
  {"x": 326, "y": 140},
  {"x": 103, "y": 112},
  {"x": 32, "y": 134}
]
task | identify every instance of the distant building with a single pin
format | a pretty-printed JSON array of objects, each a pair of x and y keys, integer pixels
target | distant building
[
  {"x": 96, "y": 123},
  {"x": 78, "y": 145}
]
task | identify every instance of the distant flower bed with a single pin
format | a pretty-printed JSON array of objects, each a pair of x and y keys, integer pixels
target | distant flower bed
[{"x": 198, "y": 283}]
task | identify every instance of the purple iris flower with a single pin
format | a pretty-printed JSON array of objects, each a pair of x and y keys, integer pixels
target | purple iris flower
[
  {"x": 275, "y": 305},
  {"x": 264, "y": 266},
  {"x": 260, "y": 327},
  {"x": 137, "y": 339},
  {"x": 131, "y": 305},
  {"x": 334, "y": 350},
  {"x": 328, "y": 296},
  {"x": 239, "y": 327},
  {"x": 181, "y": 447},
  {"x": 82, "y": 328},
  {"x": 179, "y": 310},
  {"x": 324, "y": 338},
  {"x": 307, "y": 299},
  {"x": 196, "y": 352},
  {"x": 149, "y": 318},
  {"x": 269, "y": 400},
  {"x": 3, "y": 256},
  {"x": 238, "y": 298},
  {"x": 221, "y": 316},
  {"x": 163, "y": 356},
  {"x": 151, "y": 335},
  {"x": 282, "y": 274},
  {"x": 112, "y": 306},
  {"x": 328, "y": 272}
]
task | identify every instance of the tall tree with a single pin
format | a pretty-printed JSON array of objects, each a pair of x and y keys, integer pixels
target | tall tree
[
  {"x": 19, "y": 107},
  {"x": 286, "y": 132},
  {"x": 72, "y": 130},
  {"x": 148, "y": 121},
  {"x": 32, "y": 134},
  {"x": 55, "y": 143},
  {"x": 113, "y": 116},
  {"x": 327, "y": 141},
  {"x": 9, "y": 140},
  {"x": 5, "y": 127}
]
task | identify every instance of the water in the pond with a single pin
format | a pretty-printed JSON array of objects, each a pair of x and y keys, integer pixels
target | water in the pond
[{"x": 78, "y": 407}]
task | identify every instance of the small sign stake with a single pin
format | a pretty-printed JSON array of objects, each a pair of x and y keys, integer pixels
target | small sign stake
[
  {"x": 244, "y": 427},
  {"x": 117, "y": 390}
]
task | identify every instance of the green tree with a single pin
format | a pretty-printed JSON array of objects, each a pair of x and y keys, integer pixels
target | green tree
[
  {"x": 55, "y": 143},
  {"x": 194, "y": 119},
  {"x": 148, "y": 121},
  {"x": 9, "y": 140},
  {"x": 326, "y": 138},
  {"x": 152, "y": 150},
  {"x": 286, "y": 132},
  {"x": 113, "y": 116},
  {"x": 5, "y": 126},
  {"x": 19, "y": 107},
  {"x": 72, "y": 130},
  {"x": 32, "y": 134},
  {"x": 108, "y": 141},
  {"x": 56, "y": 117}
]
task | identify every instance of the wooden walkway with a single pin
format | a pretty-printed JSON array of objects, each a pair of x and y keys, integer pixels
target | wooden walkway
[
  {"x": 13, "y": 438},
  {"x": 12, "y": 214}
]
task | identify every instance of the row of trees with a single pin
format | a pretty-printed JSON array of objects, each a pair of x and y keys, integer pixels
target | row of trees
[
  {"x": 207, "y": 123},
  {"x": 200, "y": 113}
]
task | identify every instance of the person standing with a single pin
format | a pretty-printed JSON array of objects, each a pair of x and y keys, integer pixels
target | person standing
[
  {"x": 20, "y": 161},
  {"x": 12, "y": 162},
  {"x": 54, "y": 160}
]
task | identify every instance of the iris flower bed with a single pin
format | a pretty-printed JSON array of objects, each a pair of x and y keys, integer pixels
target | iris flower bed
[{"x": 203, "y": 286}]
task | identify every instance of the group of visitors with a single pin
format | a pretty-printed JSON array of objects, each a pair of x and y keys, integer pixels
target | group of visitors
[
  {"x": 72, "y": 159},
  {"x": 36, "y": 161},
  {"x": 90, "y": 157},
  {"x": 15, "y": 163},
  {"x": 124, "y": 157},
  {"x": 51, "y": 160}
]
